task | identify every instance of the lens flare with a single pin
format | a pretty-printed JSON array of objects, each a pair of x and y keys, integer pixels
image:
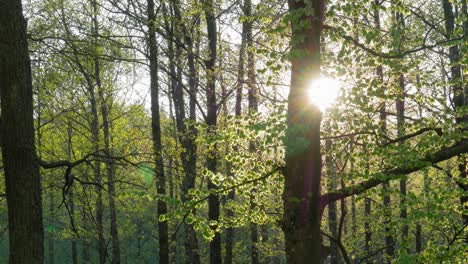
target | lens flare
[{"x": 323, "y": 92}]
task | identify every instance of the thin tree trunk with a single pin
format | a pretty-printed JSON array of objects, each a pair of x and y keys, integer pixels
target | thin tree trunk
[
  {"x": 460, "y": 93},
  {"x": 107, "y": 148},
  {"x": 211, "y": 121},
  {"x": 230, "y": 234},
  {"x": 22, "y": 178},
  {"x": 110, "y": 177},
  {"x": 383, "y": 129},
  {"x": 332, "y": 218},
  {"x": 253, "y": 108},
  {"x": 156, "y": 133},
  {"x": 187, "y": 133},
  {"x": 302, "y": 205},
  {"x": 400, "y": 108},
  {"x": 367, "y": 215},
  {"x": 102, "y": 249},
  {"x": 70, "y": 198},
  {"x": 50, "y": 239}
]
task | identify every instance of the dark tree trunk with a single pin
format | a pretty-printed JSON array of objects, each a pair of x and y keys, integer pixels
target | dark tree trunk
[
  {"x": 418, "y": 238},
  {"x": 332, "y": 218},
  {"x": 110, "y": 177},
  {"x": 187, "y": 133},
  {"x": 460, "y": 93},
  {"x": 107, "y": 148},
  {"x": 302, "y": 205},
  {"x": 102, "y": 249},
  {"x": 230, "y": 234},
  {"x": 367, "y": 229},
  {"x": 156, "y": 133},
  {"x": 253, "y": 108},
  {"x": 50, "y": 239},
  {"x": 211, "y": 121},
  {"x": 383, "y": 129},
  {"x": 400, "y": 108},
  {"x": 22, "y": 179},
  {"x": 70, "y": 198},
  {"x": 454, "y": 57},
  {"x": 399, "y": 23}
]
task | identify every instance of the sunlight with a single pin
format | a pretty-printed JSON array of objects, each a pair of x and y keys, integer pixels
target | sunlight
[{"x": 323, "y": 92}]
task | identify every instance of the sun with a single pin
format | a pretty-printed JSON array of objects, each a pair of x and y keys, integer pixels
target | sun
[{"x": 323, "y": 92}]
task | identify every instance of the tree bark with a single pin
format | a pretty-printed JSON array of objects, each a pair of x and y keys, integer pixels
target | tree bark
[
  {"x": 302, "y": 209},
  {"x": 22, "y": 178},
  {"x": 156, "y": 134}
]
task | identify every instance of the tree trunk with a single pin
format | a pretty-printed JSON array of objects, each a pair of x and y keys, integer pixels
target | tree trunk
[
  {"x": 400, "y": 108},
  {"x": 302, "y": 205},
  {"x": 187, "y": 133},
  {"x": 230, "y": 234},
  {"x": 70, "y": 198},
  {"x": 332, "y": 218},
  {"x": 22, "y": 178},
  {"x": 460, "y": 93},
  {"x": 156, "y": 133},
  {"x": 107, "y": 148},
  {"x": 102, "y": 249},
  {"x": 253, "y": 108},
  {"x": 110, "y": 177},
  {"x": 383, "y": 129},
  {"x": 211, "y": 121}
]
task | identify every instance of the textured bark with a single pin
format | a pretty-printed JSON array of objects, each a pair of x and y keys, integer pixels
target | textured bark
[
  {"x": 22, "y": 179},
  {"x": 156, "y": 134},
  {"x": 302, "y": 210}
]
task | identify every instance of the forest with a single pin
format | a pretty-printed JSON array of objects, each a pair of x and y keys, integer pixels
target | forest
[{"x": 233, "y": 131}]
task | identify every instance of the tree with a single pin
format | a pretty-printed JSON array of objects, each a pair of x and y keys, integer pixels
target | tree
[
  {"x": 156, "y": 135},
  {"x": 302, "y": 208},
  {"x": 22, "y": 178}
]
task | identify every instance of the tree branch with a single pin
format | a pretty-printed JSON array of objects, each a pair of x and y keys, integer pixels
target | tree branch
[{"x": 394, "y": 173}]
